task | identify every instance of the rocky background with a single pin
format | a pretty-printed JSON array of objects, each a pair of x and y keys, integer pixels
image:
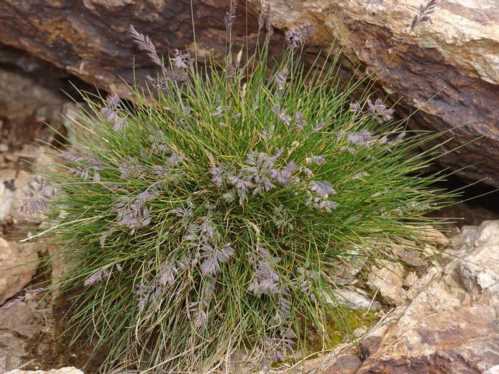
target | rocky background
[{"x": 438, "y": 305}]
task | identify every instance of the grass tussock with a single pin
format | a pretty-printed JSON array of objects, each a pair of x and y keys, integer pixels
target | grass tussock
[{"x": 210, "y": 217}]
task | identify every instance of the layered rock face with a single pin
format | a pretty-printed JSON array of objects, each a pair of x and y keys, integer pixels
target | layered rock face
[
  {"x": 89, "y": 38},
  {"x": 17, "y": 266},
  {"x": 449, "y": 323},
  {"x": 439, "y": 57},
  {"x": 31, "y": 96}
]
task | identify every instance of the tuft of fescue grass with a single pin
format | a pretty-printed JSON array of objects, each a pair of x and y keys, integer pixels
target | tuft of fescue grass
[{"x": 209, "y": 217}]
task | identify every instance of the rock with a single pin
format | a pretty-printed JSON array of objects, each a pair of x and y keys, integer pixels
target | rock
[
  {"x": 17, "y": 185},
  {"x": 488, "y": 234},
  {"x": 409, "y": 256},
  {"x": 492, "y": 370},
  {"x": 482, "y": 274},
  {"x": 410, "y": 279},
  {"x": 345, "y": 364},
  {"x": 355, "y": 298},
  {"x": 78, "y": 37},
  {"x": 445, "y": 67},
  {"x": 422, "y": 283},
  {"x": 349, "y": 357},
  {"x": 18, "y": 324},
  {"x": 65, "y": 370},
  {"x": 7, "y": 193},
  {"x": 17, "y": 266},
  {"x": 388, "y": 280},
  {"x": 433, "y": 236},
  {"x": 346, "y": 272},
  {"x": 450, "y": 326},
  {"x": 466, "y": 239},
  {"x": 31, "y": 96}
]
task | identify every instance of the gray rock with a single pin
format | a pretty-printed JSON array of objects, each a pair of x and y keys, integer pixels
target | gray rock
[
  {"x": 346, "y": 271},
  {"x": 452, "y": 51},
  {"x": 355, "y": 298},
  {"x": 345, "y": 364},
  {"x": 31, "y": 96},
  {"x": 479, "y": 271},
  {"x": 6, "y": 200},
  {"x": 451, "y": 324},
  {"x": 18, "y": 264},
  {"x": 388, "y": 279},
  {"x": 492, "y": 370},
  {"x": 19, "y": 322},
  {"x": 410, "y": 279}
]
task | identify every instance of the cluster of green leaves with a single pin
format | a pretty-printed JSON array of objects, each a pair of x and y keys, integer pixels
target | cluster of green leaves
[{"x": 209, "y": 218}]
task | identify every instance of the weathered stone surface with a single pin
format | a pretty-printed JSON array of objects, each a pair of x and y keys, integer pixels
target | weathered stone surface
[
  {"x": 7, "y": 194},
  {"x": 355, "y": 298},
  {"x": 19, "y": 322},
  {"x": 89, "y": 38},
  {"x": 448, "y": 68},
  {"x": 347, "y": 270},
  {"x": 345, "y": 364},
  {"x": 451, "y": 324},
  {"x": 387, "y": 278},
  {"x": 17, "y": 267},
  {"x": 432, "y": 235},
  {"x": 31, "y": 96},
  {"x": 16, "y": 183}
]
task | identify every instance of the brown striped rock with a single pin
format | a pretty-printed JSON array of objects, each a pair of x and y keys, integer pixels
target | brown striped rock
[{"x": 446, "y": 67}]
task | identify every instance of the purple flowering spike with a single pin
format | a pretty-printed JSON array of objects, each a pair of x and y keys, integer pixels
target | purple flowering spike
[
  {"x": 327, "y": 205},
  {"x": 214, "y": 258},
  {"x": 284, "y": 176},
  {"x": 299, "y": 120},
  {"x": 210, "y": 266},
  {"x": 133, "y": 214},
  {"x": 227, "y": 253},
  {"x": 265, "y": 280},
  {"x": 242, "y": 187},
  {"x": 318, "y": 160},
  {"x": 96, "y": 277},
  {"x": 130, "y": 168},
  {"x": 363, "y": 137},
  {"x": 174, "y": 159},
  {"x": 217, "y": 175},
  {"x": 322, "y": 188},
  {"x": 207, "y": 228},
  {"x": 181, "y": 60},
  {"x": 183, "y": 212},
  {"x": 147, "y": 195},
  {"x": 36, "y": 197},
  {"x": 297, "y": 36},
  {"x": 286, "y": 119},
  {"x": 167, "y": 274},
  {"x": 71, "y": 156},
  {"x": 356, "y": 107},
  {"x": 145, "y": 44},
  {"x": 201, "y": 319},
  {"x": 281, "y": 78},
  {"x": 379, "y": 110}
]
